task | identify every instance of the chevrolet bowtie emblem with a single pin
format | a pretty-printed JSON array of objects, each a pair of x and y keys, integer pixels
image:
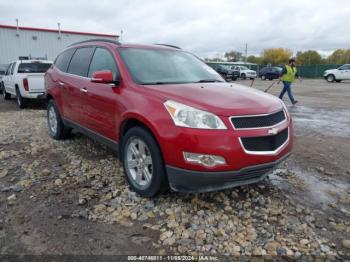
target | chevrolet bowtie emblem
[{"x": 272, "y": 131}]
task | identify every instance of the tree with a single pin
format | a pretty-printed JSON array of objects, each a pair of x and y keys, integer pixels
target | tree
[
  {"x": 233, "y": 56},
  {"x": 214, "y": 59},
  {"x": 254, "y": 59},
  {"x": 310, "y": 57},
  {"x": 339, "y": 56},
  {"x": 276, "y": 56}
]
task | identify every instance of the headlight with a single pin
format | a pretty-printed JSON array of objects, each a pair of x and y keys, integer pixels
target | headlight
[
  {"x": 187, "y": 116},
  {"x": 285, "y": 108}
]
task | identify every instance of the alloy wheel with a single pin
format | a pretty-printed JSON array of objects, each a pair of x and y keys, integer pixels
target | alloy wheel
[
  {"x": 52, "y": 120},
  {"x": 330, "y": 78},
  {"x": 139, "y": 162}
]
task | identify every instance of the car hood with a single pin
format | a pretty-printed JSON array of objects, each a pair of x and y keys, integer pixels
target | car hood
[{"x": 222, "y": 99}]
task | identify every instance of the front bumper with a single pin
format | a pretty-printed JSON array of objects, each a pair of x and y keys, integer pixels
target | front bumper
[{"x": 184, "y": 180}]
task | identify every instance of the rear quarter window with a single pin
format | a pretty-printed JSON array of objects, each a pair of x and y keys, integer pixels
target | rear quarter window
[{"x": 62, "y": 61}]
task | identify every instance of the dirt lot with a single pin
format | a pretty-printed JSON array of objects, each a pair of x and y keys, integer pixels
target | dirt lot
[{"x": 70, "y": 197}]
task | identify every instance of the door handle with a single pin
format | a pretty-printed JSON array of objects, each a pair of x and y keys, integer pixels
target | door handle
[
  {"x": 60, "y": 84},
  {"x": 84, "y": 90}
]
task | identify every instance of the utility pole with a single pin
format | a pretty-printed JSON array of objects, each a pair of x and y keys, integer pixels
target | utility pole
[
  {"x": 59, "y": 30},
  {"x": 17, "y": 27},
  {"x": 246, "y": 52},
  {"x": 121, "y": 35}
]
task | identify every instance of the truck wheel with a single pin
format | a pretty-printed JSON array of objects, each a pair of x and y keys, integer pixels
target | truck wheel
[
  {"x": 21, "y": 102},
  {"x": 5, "y": 95},
  {"x": 330, "y": 78},
  {"x": 243, "y": 76},
  {"x": 143, "y": 163},
  {"x": 57, "y": 129},
  {"x": 263, "y": 77}
]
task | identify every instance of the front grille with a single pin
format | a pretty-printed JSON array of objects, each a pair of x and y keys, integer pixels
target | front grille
[
  {"x": 258, "y": 121},
  {"x": 265, "y": 143}
]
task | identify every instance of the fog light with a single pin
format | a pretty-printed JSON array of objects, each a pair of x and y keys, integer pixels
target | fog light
[{"x": 204, "y": 160}]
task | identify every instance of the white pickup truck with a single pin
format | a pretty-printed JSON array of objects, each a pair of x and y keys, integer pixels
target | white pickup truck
[{"x": 25, "y": 80}]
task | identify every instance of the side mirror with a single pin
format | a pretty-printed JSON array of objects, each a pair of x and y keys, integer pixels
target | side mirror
[{"x": 103, "y": 77}]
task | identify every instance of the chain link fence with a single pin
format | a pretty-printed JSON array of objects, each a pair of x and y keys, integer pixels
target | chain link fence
[{"x": 306, "y": 71}]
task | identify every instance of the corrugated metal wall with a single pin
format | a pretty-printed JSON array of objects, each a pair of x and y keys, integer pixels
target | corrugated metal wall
[{"x": 35, "y": 43}]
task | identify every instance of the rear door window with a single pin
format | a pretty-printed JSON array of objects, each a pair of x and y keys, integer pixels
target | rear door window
[
  {"x": 62, "y": 61},
  {"x": 33, "y": 67},
  {"x": 103, "y": 60},
  {"x": 79, "y": 65}
]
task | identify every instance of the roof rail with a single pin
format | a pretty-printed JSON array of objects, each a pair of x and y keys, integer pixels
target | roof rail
[
  {"x": 97, "y": 39},
  {"x": 172, "y": 46}
]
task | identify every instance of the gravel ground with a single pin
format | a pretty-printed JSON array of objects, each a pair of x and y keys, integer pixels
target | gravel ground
[{"x": 70, "y": 197}]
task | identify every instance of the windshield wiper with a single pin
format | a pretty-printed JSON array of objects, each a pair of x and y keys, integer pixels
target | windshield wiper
[
  {"x": 162, "y": 83},
  {"x": 209, "y": 81}
]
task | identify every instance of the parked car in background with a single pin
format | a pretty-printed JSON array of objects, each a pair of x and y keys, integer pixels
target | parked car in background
[
  {"x": 339, "y": 74},
  {"x": 270, "y": 73},
  {"x": 25, "y": 80},
  {"x": 3, "y": 69},
  {"x": 235, "y": 73},
  {"x": 244, "y": 72},
  {"x": 172, "y": 119},
  {"x": 224, "y": 71}
]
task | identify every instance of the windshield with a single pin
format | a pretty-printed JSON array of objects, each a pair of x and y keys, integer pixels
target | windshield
[
  {"x": 244, "y": 68},
  {"x": 277, "y": 69},
  {"x": 344, "y": 67},
  {"x": 155, "y": 66},
  {"x": 227, "y": 67},
  {"x": 37, "y": 67}
]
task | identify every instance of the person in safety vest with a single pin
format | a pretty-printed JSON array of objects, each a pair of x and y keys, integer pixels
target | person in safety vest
[{"x": 288, "y": 75}]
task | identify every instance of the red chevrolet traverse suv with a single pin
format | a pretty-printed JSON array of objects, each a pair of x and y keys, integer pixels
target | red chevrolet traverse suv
[{"x": 171, "y": 118}]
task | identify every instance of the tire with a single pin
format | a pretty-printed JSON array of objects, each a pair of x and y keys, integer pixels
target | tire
[
  {"x": 5, "y": 95},
  {"x": 243, "y": 76},
  {"x": 140, "y": 151},
  {"x": 263, "y": 77},
  {"x": 330, "y": 78},
  {"x": 21, "y": 102},
  {"x": 57, "y": 129},
  {"x": 252, "y": 78}
]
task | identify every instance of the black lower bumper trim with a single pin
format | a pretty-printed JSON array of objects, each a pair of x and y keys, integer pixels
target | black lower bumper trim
[{"x": 183, "y": 180}]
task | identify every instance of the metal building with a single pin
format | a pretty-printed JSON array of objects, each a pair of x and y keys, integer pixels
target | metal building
[{"x": 44, "y": 43}]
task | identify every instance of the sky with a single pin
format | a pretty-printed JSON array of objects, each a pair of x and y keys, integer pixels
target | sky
[{"x": 207, "y": 28}]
